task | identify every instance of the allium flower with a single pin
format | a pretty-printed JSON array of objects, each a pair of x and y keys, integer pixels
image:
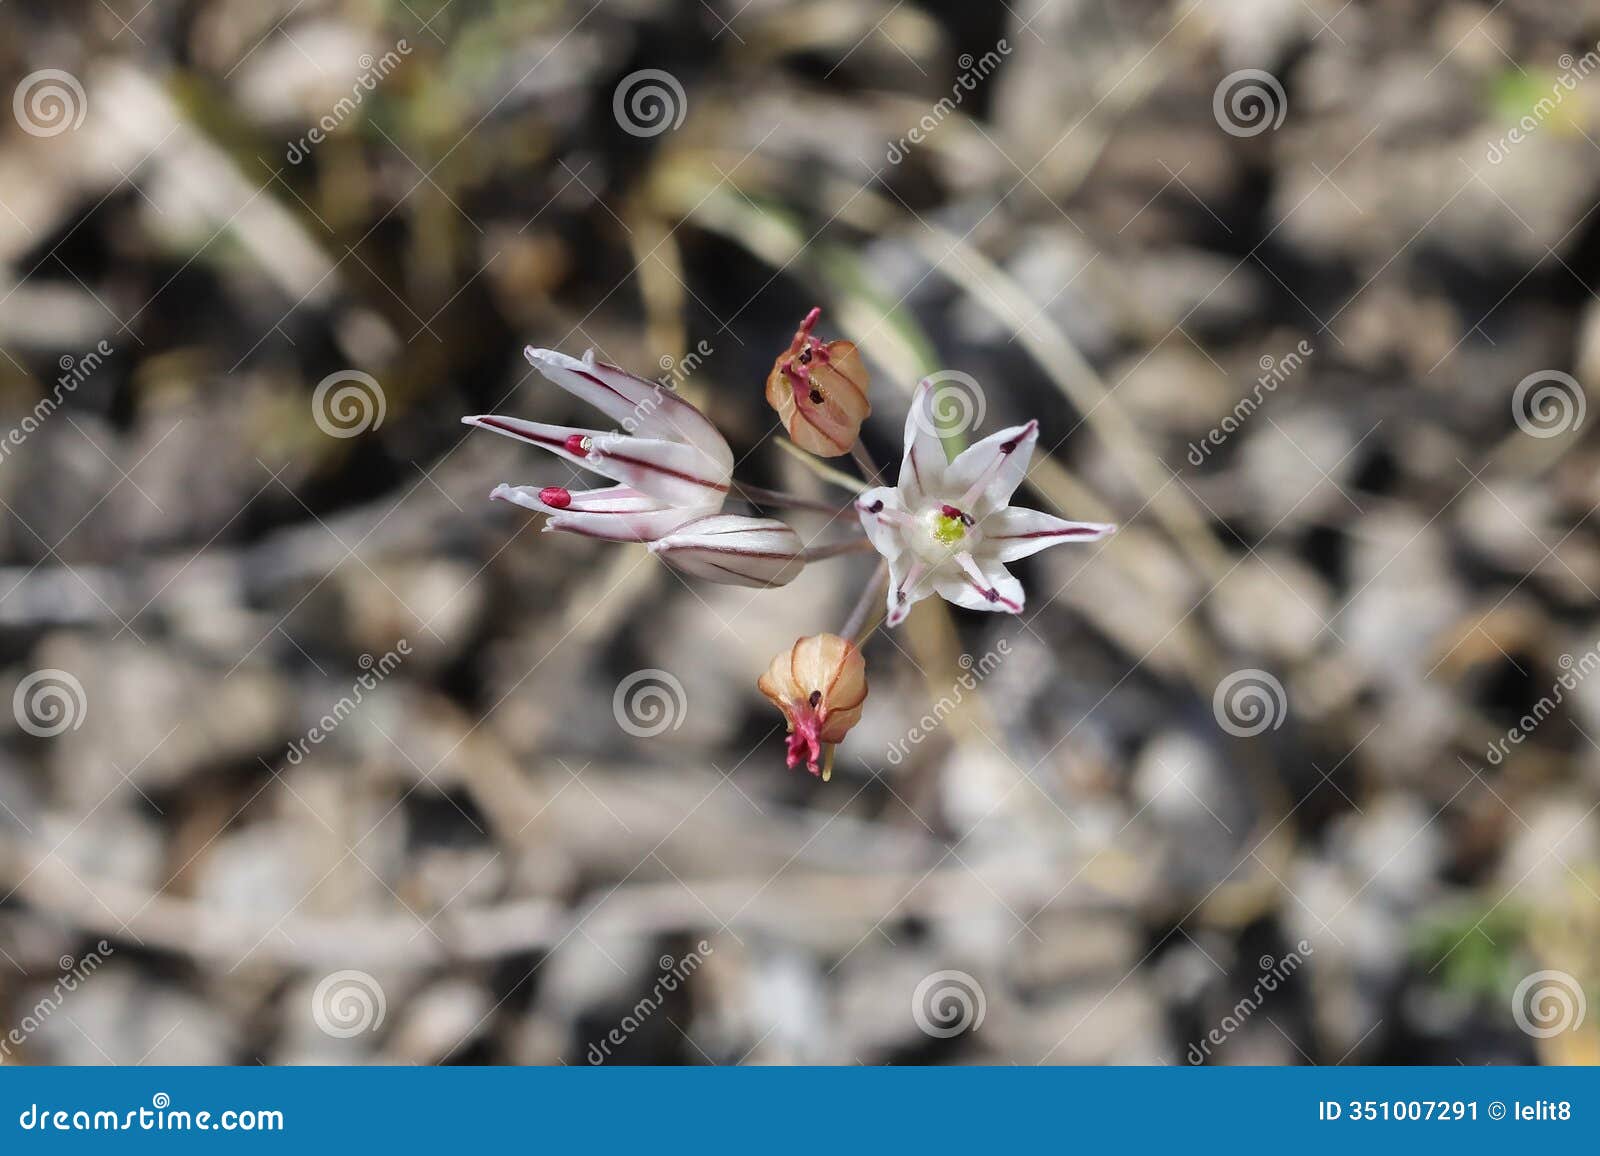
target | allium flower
[
  {"x": 948, "y": 527},
  {"x": 820, "y": 684},
  {"x": 672, "y": 467},
  {"x": 820, "y": 392},
  {"x": 734, "y": 549}
]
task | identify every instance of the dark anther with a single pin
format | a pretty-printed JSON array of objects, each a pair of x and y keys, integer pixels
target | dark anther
[
  {"x": 816, "y": 697},
  {"x": 876, "y": 507},
  {"x": 992, "y": 595},
  {"x": 805, "y": 357},
  {"x": 1008, "y": 447},
  {"x": 816, "y": 397}
]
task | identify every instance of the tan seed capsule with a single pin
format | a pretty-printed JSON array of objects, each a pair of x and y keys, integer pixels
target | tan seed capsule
[
  {"x": 820, "y": 392},
  {"x": 820, "y": 684}
]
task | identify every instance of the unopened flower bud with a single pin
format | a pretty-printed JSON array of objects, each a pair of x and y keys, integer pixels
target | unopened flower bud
[
  {"x": 820, "y": 684},
  {"x": 734, "y": 549},
  {"x": 820, "y": 392}
]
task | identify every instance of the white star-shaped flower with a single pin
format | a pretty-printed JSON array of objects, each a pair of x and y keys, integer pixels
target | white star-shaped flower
[{"x": 948, "y": 527}]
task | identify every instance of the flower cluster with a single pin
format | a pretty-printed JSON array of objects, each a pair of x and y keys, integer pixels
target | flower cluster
[{"x": 947, "y": 526}]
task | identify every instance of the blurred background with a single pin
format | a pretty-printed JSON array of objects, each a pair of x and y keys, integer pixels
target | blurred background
[{"x": 315, "y": 755}]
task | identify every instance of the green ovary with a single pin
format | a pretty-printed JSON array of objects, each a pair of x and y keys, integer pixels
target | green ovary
[{"x": 948, "y": 531}]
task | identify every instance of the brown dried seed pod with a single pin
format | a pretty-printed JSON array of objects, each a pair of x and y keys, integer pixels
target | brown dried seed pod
[
  {"x": 820, "y": 685},
  {"x": 820, "y": 392}
]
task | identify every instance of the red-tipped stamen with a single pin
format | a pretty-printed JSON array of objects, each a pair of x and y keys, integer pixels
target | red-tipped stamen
[
  {"x": 885, "y": 514},
  {"x": 970, "y": 566},
  {"x": 577, "y": 444},
  {"x": 556, "y": 496},
  {"x": 913, "y": 576}
]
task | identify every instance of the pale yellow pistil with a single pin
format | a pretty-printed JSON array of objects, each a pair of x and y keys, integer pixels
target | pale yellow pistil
[{"x": 948, "y": 530}]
